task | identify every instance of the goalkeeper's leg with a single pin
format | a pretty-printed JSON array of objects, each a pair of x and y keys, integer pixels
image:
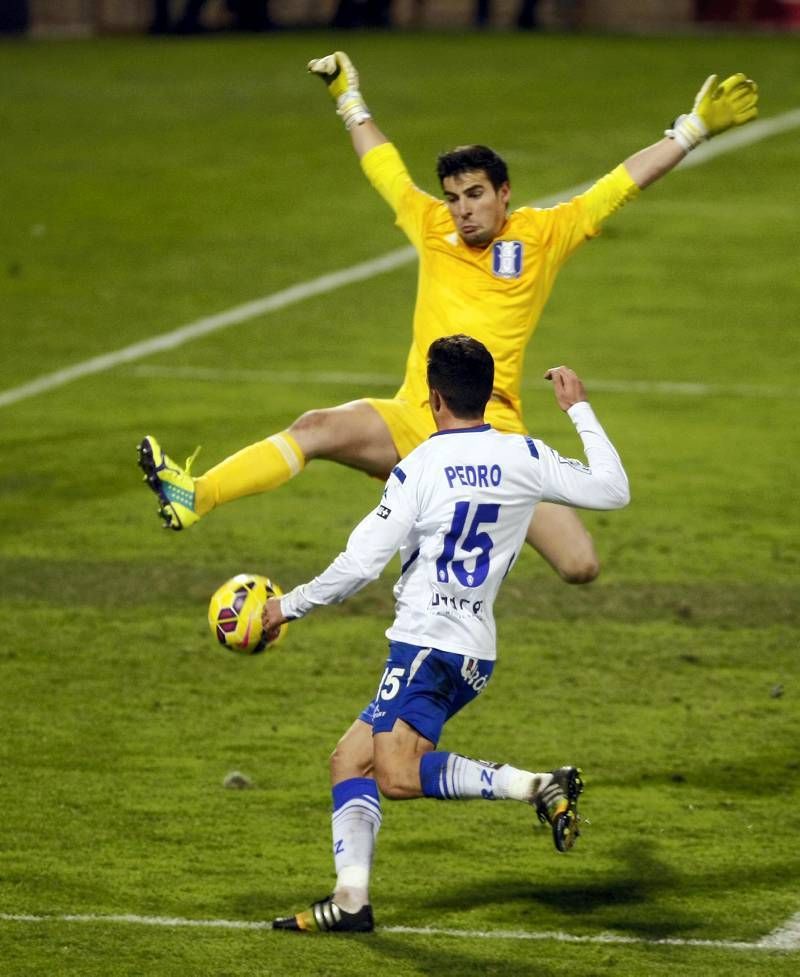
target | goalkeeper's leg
[
  {"x": 352, "y": 434},
  {"x": 557, "y": 533}
]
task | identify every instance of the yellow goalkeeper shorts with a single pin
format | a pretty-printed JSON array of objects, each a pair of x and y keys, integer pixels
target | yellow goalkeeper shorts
[{"x": 410, "y": 424}]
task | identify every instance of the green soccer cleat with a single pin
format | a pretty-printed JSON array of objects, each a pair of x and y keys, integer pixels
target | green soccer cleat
[
  {"x": 557, "y": 805},
  {"x": 173, "y": 485},
  {"x": 326, "y": 917}
]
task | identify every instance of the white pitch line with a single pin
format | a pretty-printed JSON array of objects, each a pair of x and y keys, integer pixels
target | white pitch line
[
  {"x": 209, "y": 324},
  {"x": 725, "y": 143},
  {"x": 212, "y": 374},
  {"x": 691, "y": 389},
  {"x": 561, "y": 937},
  {"x": 786, "y": 938},
  {"x": 134, "y": 920},
  {"x": 746, "y": 136}
]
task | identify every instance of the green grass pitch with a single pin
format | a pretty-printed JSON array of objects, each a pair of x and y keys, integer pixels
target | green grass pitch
[{"x": 148, "y": 184}]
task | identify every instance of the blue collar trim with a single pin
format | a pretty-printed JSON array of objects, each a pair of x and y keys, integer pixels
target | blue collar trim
[{"x": 463, "y": 430}]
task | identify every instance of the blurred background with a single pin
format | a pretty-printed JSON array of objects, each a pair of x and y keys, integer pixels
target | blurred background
[{"x": 88, "y": 17}]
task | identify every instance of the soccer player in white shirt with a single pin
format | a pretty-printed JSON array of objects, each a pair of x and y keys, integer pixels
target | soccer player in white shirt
[{"x": 457, "y": 508}]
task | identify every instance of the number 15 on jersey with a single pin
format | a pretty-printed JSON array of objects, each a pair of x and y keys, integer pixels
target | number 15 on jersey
[{"x": 486, "y": 513}]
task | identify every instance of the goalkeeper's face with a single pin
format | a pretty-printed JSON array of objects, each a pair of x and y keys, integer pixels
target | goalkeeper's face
[{"x": 477, "y": 208}]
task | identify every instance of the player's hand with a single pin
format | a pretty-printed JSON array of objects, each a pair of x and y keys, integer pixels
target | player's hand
[
  {"x": 567, "y": 386},
  {"x": 341, "y": 79},
  {"x": 272, "y": 618},
  {"x": 731, "y": 103},
  {"x": 337, "y": 71},
  {"x": 717, "y": 106}
]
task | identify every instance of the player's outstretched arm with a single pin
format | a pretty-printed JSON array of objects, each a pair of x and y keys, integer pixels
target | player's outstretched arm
[
  {"x": 371, "y": 545},
  {"x": 602, "y": 484},
  {"x": 717, "y": 106},
  {"x": 341, "y": 79}
]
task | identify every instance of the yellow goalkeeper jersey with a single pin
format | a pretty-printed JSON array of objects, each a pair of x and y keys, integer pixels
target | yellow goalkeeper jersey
[{"x": 495, "y": 294}]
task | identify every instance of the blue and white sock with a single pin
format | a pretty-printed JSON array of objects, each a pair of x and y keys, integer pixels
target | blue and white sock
[
  {"x": 355, "y": 822},
  {"x": 450, "y": 776}
]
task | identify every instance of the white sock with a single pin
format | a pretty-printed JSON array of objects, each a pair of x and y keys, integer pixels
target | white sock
[
  {"x": 519, "y": 785},
  {"x": 355, "y": 823},
  {"x": 450, "y": 776}
]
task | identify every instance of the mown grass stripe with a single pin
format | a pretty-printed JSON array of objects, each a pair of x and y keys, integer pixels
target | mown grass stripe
[{"x": 212, "y": 374}]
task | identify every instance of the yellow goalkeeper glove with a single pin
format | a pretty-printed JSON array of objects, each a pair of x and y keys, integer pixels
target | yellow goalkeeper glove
[
  {"x": 341, "y": 79},
  {"x": 717, "y": 107}
]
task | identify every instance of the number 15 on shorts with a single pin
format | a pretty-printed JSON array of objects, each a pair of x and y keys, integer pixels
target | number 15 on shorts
[{"x": 390, "y": 683}]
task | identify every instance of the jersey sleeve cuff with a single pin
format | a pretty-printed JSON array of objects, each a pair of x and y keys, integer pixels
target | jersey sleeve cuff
[
  {"x": 579, "y": 410},
  {"x": 295, "y": 605}
]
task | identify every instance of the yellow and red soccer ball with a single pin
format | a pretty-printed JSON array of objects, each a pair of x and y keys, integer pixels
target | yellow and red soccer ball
[{"x": 234, "y": 613}]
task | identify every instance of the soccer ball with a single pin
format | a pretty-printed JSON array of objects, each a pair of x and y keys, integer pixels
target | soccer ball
[{"x": 234, "y": 613}]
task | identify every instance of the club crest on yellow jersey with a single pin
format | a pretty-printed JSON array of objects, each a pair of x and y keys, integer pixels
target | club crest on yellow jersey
[{"x": 507, "y": 259}]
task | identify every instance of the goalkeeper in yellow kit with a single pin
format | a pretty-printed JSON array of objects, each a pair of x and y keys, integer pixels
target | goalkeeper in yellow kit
[{"x": 483, "y": 271}]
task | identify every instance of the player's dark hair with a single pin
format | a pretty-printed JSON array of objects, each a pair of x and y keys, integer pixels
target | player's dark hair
[
  {"x": 464, "y": 159},
  {"x": 462, "y": 371}
]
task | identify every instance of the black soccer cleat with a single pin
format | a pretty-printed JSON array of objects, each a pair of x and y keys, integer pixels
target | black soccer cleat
[
  {"x": 326, "y": 917},
  {"x": 557, "y": 805}
]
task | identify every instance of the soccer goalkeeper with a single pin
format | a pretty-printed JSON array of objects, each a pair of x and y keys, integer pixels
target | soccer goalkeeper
[{"x": 483, "y": 270}]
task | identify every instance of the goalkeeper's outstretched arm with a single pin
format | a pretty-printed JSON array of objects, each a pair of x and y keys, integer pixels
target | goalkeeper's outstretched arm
[
  {"x": 341, "y": 79},
  {"x": 717, "y": 106}
]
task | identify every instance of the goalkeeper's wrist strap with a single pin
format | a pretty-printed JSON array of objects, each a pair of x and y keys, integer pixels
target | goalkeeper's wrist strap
[
  {"x": 688, "y": 131},
  {"x": 352, "y": 109}
]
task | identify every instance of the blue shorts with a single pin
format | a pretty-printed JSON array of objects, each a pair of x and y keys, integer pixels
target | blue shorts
[{"x": 424, "y": 687}]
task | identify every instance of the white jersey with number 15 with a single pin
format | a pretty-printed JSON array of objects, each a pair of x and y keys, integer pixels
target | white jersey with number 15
[{"x": 458, "y": 508}]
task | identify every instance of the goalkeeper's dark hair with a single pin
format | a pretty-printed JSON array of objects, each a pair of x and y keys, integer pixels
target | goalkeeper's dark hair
[
  {"x": 464, "y": 159},
  {"x": 461, "y": 370}
]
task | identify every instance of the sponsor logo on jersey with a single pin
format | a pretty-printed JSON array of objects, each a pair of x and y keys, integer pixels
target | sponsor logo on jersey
[
  {"x": 461, "y": 605},
  {"x": 507, "y": 259},
  {"x": 383, "y": 511}
]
